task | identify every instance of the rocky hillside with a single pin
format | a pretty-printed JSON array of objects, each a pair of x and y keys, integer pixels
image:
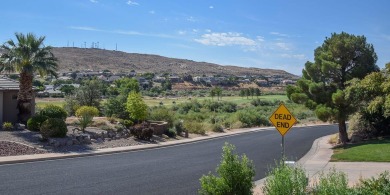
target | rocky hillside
[{"x": 117, "y": 61}]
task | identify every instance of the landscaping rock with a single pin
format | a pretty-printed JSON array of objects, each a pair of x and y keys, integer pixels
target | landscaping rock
[
  {"x": 69, "y": 142},
  {"x": 99, "y": 140}
]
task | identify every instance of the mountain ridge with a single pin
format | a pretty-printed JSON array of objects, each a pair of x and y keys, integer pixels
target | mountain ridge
[{"x": 81, "y": 59}]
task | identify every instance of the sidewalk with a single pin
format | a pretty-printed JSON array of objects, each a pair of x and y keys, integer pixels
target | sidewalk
[{"x": 317, "y": 161}]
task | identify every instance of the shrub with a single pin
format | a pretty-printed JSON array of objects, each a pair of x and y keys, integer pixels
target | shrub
[
  {"x": 171, "y": 132},
  {"x": 235, "y": 175},
  {"x": 332, "y": 183},
  {"x": 142, "y": 131},
  {"x": 380, "y": 185},
  {"x": 127, "y": 123},
  {"x": 7, "y": 126},
  {"x": 178, "y": 126},
  {"x": 136, "y": 106},
  {"x": 71, "y": 105},
  {"x": 217, "y": 128},
  {"x": 53, "y": 111},
  {"x": 284, "y": 179},
  {"x": 252, "y": 118},
  {"x": 86, "y": 114},
  {"x": 53, "y": 127},
  {"x": 194, "y": 127},
  {"x": 34, "y": 123},
  {"x": 162, "y": 114},
  {"x": 360, "y": 126}
]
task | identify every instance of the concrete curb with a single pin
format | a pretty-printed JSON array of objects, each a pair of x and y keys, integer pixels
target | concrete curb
[{"x": 302, "y": 161}]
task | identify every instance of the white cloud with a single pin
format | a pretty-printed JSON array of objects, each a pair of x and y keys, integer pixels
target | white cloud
[
  {"x": 208, "y": 30},
  {"x": 132, "y": 3},
  {"x": 195, "y": 30},
  {"x": 279, "y": 34},
  {"x": 283, "y": 46},
  {"x": 260, "y": 38},
  {"x": 211, "y": 7},
  {"x": 152, "y": 12},
  {"x": 225, "y": 39},
  {"x": 182, "y": 32},
  {"x": 94, "y": 1},
  {"x": 191, "y": 19},
  {"x": 85, "y": 28}
]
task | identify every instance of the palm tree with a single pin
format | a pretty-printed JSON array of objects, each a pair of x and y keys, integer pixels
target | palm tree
[{"x": 27, "y": 56}]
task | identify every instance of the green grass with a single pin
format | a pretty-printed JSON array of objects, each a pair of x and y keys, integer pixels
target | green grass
[
  {"x": 236, "y": 99},
  {"x": 43, "y": 102},
  {"x": 369, "y": 151}
]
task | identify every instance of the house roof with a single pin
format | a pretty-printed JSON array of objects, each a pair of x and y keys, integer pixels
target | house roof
[{"x": 8, "y": 84}]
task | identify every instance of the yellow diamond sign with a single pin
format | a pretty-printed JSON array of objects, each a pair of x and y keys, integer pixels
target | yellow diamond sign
[{"x": 282, "y": 119}]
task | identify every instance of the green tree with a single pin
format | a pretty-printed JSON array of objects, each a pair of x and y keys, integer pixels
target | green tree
[
  {"x": 89, "y": 94},
  {"x": 235, "y": 175},
  {"x": 26, "y": 56},
  {"x": 242, "y": 93},
  {"x": 339, "y": 59},
  {"x": 218, "y": 92},
  {"x": 126, "y": 85},
  {"x": 247, "y": 93},
  {"x": 257, "y": 92},
  {"x": 252, "y": 91},
  {"x": 67, "y": 89},
  {"x": 136, "y": 107},
  {"x": 372, "y": 96},
  {"x": 212, "y": 94}
]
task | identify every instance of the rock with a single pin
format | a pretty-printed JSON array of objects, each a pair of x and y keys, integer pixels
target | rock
[
  {"x": 356, "y": 138},
  {"x": 164, "y": 136},
  {"x": 87, "y": 140},
  {"x": 69, "y": 142},
  {"x": 76, "y": 142},
  {"x": 57, "y": 144},
  {"x": 99, "y": 140},
  {"x": 108, "y": 139},
  {"x": 51, "y": 141}
]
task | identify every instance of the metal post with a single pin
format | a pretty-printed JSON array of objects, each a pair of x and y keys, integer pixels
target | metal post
[{"x": 283, "y": 147}]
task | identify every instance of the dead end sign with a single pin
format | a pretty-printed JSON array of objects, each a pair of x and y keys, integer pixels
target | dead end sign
[{"x": 282, "y": 119}]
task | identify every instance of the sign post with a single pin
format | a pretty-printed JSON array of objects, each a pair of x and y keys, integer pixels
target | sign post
[{"x": 283, "y": 120}]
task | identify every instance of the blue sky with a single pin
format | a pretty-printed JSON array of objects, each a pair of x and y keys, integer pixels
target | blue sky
[{"x": 272, "y": 34}]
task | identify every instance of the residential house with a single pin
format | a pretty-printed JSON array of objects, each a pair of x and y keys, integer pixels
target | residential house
[{"x": 8, "y": 100}]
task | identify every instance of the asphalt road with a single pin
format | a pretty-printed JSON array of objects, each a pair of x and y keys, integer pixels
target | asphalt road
[{"x": 169, "y": 170}]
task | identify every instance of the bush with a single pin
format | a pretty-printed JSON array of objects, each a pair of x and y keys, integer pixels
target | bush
[
  {"x": 53, "y": 127},
  {"x": 258, "y": 102},
  {"x": 194, "y": 127},
  {"x": 7, "y": 126},
  {"x": 362, "y": 127},
  {"x": 217, "y": 128},
  {"x": 283, "y": 179},
  {"x": 171, "y": 132},
  {"x": 53, "y": 111},
  {"x": 332, "y": 183},
  {"x": 86, "y": 114},
  {"x": 252, "y": 118},
  {"x": 162, "y": 114},
  {"x": 380, "y": 185},
  {"x": 235, "y": 175},
  {"x": 142, "y": 131},
  {"x": 127, "y": 123},
  {"x": 178, "y": 126},
  {"x": 34, "y": 123}
]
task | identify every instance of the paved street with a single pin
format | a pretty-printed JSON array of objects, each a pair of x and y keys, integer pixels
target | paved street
[{"x": 168, "y": 170}]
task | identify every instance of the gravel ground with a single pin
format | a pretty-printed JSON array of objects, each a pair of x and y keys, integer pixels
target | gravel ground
[{"x": 24, "y": 142}]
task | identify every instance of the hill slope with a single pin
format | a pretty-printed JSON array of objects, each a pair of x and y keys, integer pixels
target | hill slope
[{"x": 117, "y": 61}]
